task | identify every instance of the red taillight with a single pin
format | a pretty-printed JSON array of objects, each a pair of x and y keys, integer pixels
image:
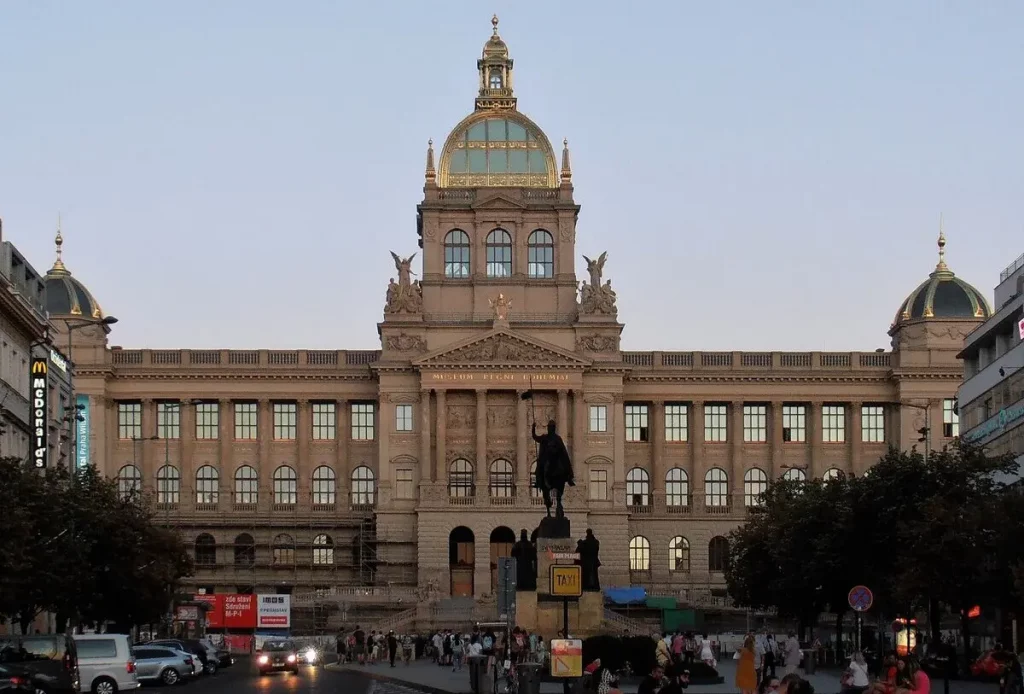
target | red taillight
[
  {"x": 130, "y": 667},
  {"x": 188, "y": 661},
  {"x": 18, "y": 681},
  {"x": 68, "y": 665}
]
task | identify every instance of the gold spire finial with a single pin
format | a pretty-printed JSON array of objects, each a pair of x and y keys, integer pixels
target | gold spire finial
[
  {"x": 941, "y": 266},
  {"x": 431, "y": 173},
  {"x": 566, "y": 166},
  {"x": 494, "y": 23},
  {"x": 58, "y": 264}
]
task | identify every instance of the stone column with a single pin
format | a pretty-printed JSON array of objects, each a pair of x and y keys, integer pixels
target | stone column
[
  {"x": 657, "y": 423},
  {"x": 341, "y": 435},
  {"x": 696, "y": 432},
  {"x": 579, "y": 425},
  {"x": 440, "y": 466},
  {"x": 815, "y": 437},
  {"x": 856, "y": 437},
  {"x": 563, "y": 413},
  {"x": 616, "y": 420},
  {"x": 777, "y": 442},
  {"x": 523, "y": 441},
  {"x": 264, "y": 435},
  {"x": 736, "y": 439},
  {"x": 481, "y": 439},
  {"x": 424, "y": 436},
  {"x": 225, "y": 437},
  {"x": 147, "y": 452},
  {"x": 385, "y": 425},
  {"x": 186, "y": 443},
  {"x": 303, "y": 437}
]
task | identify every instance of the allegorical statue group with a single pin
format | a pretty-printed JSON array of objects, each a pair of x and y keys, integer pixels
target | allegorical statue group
[{"x": 525, "y": 554}]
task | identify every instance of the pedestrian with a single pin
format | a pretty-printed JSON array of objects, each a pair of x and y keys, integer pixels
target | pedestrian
[
  {"x": 392, "y": 647},
  {"x": 771, "y": 650},
  {"x": 855, "y": 679},
  {"x": 458, "y": 652},
  {"x": 360, "y": 641},
  {"x": 792, "y": 653},
  {"x": 746, "y": 672}
]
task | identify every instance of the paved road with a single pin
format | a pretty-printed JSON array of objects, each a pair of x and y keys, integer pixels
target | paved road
[{"x": 242, "y": 678}]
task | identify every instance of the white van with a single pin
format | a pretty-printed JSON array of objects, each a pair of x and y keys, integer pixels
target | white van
[{"x": 105, "y": 663}]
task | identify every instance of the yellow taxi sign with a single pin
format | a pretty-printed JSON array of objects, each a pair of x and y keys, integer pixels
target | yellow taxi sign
[{"x": 566, "y": 581}]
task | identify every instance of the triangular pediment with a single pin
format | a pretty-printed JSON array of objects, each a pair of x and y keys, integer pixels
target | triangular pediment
[
  {"x": 502, "y": 347},
  {"x": 497, "y": 201}
]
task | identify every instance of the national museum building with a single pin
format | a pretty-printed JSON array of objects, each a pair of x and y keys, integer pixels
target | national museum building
[{"x": 409, "y": 467}]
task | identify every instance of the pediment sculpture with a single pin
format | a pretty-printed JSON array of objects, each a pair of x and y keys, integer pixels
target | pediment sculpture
[
  {"x": 406, "y": 343},
  {"x": 597, "y": 343},
  {"x": 597, "y": 298},
  {"x": 406, "y": 295},
  {"x": 500, "y": 348}
]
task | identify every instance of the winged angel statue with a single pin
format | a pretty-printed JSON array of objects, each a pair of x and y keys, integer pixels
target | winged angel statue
[
  {"x": 596, "y": 297},
  {"x": 405, "y": 296}
]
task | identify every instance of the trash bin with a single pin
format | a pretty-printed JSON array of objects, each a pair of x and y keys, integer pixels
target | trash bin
[
  {"x": 477, "y": 664},
  {"x": 529, "y": 678},
  {"x": 810, "y": 661}
]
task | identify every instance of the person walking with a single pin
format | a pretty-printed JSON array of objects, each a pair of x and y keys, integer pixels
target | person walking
[
  {"x": 792, "y": 653},
  {"x": 746, "y": 672},
  {"x": 392, "y": 647}
]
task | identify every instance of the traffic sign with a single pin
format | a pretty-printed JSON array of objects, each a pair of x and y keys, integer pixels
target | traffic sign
[
  {"x": 860, "y": 598},
  {"x": 566, "y": 582},
  {"x": 566, "y": 658}
]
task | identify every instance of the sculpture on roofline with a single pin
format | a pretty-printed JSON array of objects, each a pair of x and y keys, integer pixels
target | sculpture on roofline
[
  {"x": 406, "y": 295},
  {"x": 597, "y": 298}
]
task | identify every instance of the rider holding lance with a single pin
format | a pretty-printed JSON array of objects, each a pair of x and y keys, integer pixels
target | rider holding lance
[{"x": 554, "y": 468}]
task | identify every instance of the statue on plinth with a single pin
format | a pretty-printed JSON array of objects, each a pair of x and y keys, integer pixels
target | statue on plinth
[
  {"x": 554, "y": 468},
  {"x": 589, "y": 548},
  {"x": 406, "y": 295},
  {"x": 525, "y": 554}
]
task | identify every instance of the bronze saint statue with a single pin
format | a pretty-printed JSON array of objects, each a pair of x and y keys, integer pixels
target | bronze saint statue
[
  {"x": 525, "y": 554},
  {"x": 589, "y": 548}
]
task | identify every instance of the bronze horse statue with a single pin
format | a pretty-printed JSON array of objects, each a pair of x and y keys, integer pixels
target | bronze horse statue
[{"x": 554, "y": 468}]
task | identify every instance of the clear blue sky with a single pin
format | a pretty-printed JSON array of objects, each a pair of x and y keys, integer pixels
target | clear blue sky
[{"x": 234, "y": 173}]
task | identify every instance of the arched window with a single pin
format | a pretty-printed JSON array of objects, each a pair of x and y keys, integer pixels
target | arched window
[
  {"x": 286, "y": 486},
  {"x": 245, "y": 550},
  {"x": 499, "y": 254},
  {"x": 168, "y": 485},
  {"x": 324, "y": 486},
  {"x": 501, "y": 480},
  {"x": 832, "y": 474},
  {"x": 795, "y": 474},
  {"x": 716, "y": 488},
  {"x": 718, "y": 553},
  {"x": 534, "y": 492},
  {"x": 677, "y": 487},
  {"x": 206, "y": 550},
  {"x": 323, "y": 550},
  {"x": 207, "y": 485},
  {"x": 755, "y": 483},
  {"x": 679, "y": 554},
  {"x": 460, "y": 478},
  {"x": 540, "y": 251},
  {"x": 456, "y": 254},
  {"x": 638, "y": 487},
  {"x": 639, "y": 554},
  {"x": 495, "y": 78},
  {"x": 283, "y": 550},
  {"x": 247, "y": 485},
  {"x": 129, "y": 481},
  {"x": 364, "y": 487}
]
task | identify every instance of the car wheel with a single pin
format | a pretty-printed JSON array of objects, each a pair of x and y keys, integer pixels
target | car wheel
[
  {"x": 211, "y": 668},
  {"x": 104, "y": 685},
  {"x": 169, "y": 676},
  {"x": 40, "y": 690}
]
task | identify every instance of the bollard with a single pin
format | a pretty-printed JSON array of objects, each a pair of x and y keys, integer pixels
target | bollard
[{"x": 529, "y": 678}]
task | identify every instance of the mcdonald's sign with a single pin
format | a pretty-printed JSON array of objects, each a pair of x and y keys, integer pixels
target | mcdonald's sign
[{"x": 39, "y": 411}]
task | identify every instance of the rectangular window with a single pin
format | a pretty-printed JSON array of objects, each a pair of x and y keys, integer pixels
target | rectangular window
[
  {"x": 950, "y": 419},
  {"x": 362, "y": 421},
  {"x": 755, "y": 423},
  {"x": 636, "y": 423},
  {"x": 246, "y": 421},
  {"x": 676, "y": 423},
  {"x": 599, "y": 419},
  {"x": 872, "y": 424},
  {"x": 129, "y": 420},
  {"x": 168, "y": 420},
  {"x": 207, "y": 420},
  {"x": 324, "y": 421},
  {"x": 833, "y": 424},
  {"x": 284, "y": 421},
  {"x": 599, "y": 485},
  {"x": 404, "y": 488},
  {"x": 403, "y": 417},
  {"x": 716, "y": 423},
  {"x": 794, "y": 423}
]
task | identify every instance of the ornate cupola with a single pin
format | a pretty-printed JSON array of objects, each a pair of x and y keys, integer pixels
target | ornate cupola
[{"x": 495, "y": 68}]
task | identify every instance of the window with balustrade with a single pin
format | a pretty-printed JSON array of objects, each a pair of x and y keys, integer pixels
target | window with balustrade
[
  {"x": 246, "y": 421},
  {"x": 403, "y": 417},
  {"x": 207, "y": 485},
  {"x": 168, "y": 485},
  {"x": 599, "y": 419},
  {"x": 501, "y": 485},
  {"x": 950, "y": 419},
  {"x": 129, "y": 420},
  {"x": 676, "y": 423},
  {"x": 207, "y": 421},
  {"x": 363, "y": 421},
  {"x": 535, "y": 493},
  {"x": 872, "y": 423},
  {"x": 598, "y": 484},
  {"x": 286, "y": 486},
  {"x": 637, "y": 429},
  {"x": 639, "y": 554},
  {"x": 129, "y": 481},
  {"x": 285, "y": 416},
  {"x": 541, "y": 255},
  {"x": 718, "y": 554},
  {"x": 679, "y": 555},
  {"x": 460, "y": 479},
  {"x": 323, "y": 550},
  {"x": 405, "y": 486},
  {"x": 716, "y": 423},
  {"x": 755, "y": 423},
  {"x": 456, "y": 255},
  {"x": 168, "y": 420},
  {"x": 638, "y": 487},
  {"x": 677, "y": 488},
  {"x": 324, "y": 486},
  {"x": 325, "y": 419},
  {"x": 364, "y": 487},
  {"x": 206, "y": 550},
  {"x": 794, "y": 474},
  {"x": 833, "y": 424},
  {"x": 247, "y": 485},
  {"x": 245, "y": 551},
  {"x": 283, "y": 550},
  {"x": 716, "y": 488},
  {"x": 755, "y": 484},
  {"x": 794, "y": 423},
  {"x": 499, "y": 253}
]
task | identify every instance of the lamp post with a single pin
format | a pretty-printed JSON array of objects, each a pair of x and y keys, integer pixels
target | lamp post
[
  {"x": 926, "y": 430},
  {"x": 72, "y": 326}
]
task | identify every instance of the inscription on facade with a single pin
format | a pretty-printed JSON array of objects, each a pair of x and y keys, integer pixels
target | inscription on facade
[{"x": 484, "y": 377}]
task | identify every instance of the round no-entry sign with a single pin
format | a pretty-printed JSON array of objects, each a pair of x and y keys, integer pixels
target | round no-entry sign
[{"x": 860, "y": 598}]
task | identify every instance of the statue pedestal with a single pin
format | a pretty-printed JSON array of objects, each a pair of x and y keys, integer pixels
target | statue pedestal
[
  {"x": 554, "y": 527},
  {"x": 544, "y": 615}
]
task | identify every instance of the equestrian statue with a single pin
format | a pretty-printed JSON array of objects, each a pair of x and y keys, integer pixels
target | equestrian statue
[{"x": 554, "y": 468}]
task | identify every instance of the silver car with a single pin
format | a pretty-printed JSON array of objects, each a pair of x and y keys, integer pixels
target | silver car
[
  {"x": 105, "y": 663},
  {"x": 163, "y": 664}
]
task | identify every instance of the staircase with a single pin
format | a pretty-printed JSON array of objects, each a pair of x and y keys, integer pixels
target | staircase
[
  {"x": 620, "y": 623},
  {"x": 397, "y": 621}
]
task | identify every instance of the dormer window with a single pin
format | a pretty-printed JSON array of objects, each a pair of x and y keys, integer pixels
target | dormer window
[{"x": 495, "y": 79}]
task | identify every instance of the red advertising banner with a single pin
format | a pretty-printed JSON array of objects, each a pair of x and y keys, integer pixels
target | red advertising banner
[
  {"x": 238, "y": 644},
  {"x": 214, "y": 615},
  {"x": 239, "y": 611}
]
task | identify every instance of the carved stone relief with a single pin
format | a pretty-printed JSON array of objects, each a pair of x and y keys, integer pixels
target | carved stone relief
[
  {"x": 461, "y": 417},
  {"x": 500, "y": 348},
  {"x": 406, "y": 343},
  {"x": 501, "y": 416},
  {"x": 597, "y": 343}
]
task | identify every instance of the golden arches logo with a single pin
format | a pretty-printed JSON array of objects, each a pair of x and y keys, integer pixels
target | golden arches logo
[{"x": 38, "y": 366}]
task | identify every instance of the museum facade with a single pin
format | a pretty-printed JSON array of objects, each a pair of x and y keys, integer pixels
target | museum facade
[{"x": 340, "y": 471}]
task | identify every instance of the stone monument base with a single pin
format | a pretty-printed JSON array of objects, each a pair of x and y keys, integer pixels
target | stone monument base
[{"x": 543, "y": 615}]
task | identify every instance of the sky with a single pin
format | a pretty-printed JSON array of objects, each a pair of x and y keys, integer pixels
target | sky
[{"x": 763, "y": 175}]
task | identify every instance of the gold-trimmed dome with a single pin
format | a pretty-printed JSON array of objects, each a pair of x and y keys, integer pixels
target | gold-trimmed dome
[
  {"x": 65, "y": 295},
  {"x": 497, "y": 149},
  {"x": 943, "y": 295}
]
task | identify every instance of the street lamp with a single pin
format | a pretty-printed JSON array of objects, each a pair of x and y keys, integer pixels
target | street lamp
[
  {"x": 926, "y": 430},
  {"x": 78, "y": 324}
]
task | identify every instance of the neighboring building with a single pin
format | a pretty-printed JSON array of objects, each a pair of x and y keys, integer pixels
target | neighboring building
[
  {"x": 991, "y": 398},
  {"x": 23, "y": 328},
  {"x": 409, "y": 468}
]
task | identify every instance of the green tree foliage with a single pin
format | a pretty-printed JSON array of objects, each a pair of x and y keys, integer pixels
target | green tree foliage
[
  {"x": 76, "y": 546},
  {"x": 920, "y": 534}
]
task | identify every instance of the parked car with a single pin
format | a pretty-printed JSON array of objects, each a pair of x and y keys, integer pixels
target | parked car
[
  {"x": 992, "y": 664},
  {"x": 222, "y": 655},
  {"x": 52, "y": 659},
  {"x": 163, "y": 664},
  {"x": 15, "y": 680},
  {"x": 105, "y": 663},
  {"x": 193, "y": 646},
  {"x": 278, "y": 656}
]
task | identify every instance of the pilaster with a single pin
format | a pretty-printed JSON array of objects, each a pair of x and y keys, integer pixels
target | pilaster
[
  {"x": 816, "y": 438},
  {"x": 522, "y": 443},
  {"x": 579, "y": 423},
  {"x": 424, "y": 435},
  {"x": 856, "y": 441},
  {"x": 481, "y": 439},
  {"x": 776, "y": 441},
  {"x": 617, "y": 422},
  {"x": 563, "y": 412},
  {"x": 225, "y": 437},
  {"x": 385, "y": 428},
  {"x": 658, "y": 443},
  {"x": 341, "y": 435},
  {"x": 696, "y": 426},
  {"x": 264, "y": 435},
  {"x": 440, "y": 471},
  {"x": 735, "y": 436},
  {"x": 303, "y": 437}
]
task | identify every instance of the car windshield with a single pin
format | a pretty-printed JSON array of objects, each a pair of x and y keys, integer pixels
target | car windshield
[{"x": 278, "y": 646}]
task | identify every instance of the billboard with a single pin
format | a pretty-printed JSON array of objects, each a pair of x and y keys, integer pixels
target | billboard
[
  {"x": 39, "y": 392},
  {"x": 215, "y": 612},
  {"x": 82, "y": 433},
  {"x": 274, "y": 612},
  {"x": 239, "y": 611}
]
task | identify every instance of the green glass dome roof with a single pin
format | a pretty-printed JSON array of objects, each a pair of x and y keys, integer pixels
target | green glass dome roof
[{"x": 496, "y": 149}]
